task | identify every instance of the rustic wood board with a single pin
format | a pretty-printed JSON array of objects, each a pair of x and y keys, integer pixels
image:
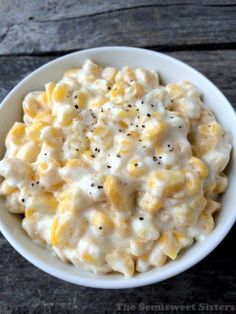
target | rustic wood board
[
  {"x": 82, "y": 24},
  {"x": 201, "y": 33}
]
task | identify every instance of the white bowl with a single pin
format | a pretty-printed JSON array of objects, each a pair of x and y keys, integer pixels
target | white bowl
[{"x": 171, "y": 70}]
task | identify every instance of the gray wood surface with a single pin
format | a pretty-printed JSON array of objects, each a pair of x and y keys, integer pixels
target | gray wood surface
[
  {"x": 201, "y": 33},
  {"x": 50, "y": 26}
]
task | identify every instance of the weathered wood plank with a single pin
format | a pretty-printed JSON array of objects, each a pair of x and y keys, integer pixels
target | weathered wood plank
[
  {"x": 46, "y": 26},
  {"x": 218, "y": 66},
  {"x": 25, "y": 289},
  {"x": 58, "y": 9}
]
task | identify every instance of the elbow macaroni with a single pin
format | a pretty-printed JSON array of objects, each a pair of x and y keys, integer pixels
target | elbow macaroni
[{"x": 113, "y": 171}]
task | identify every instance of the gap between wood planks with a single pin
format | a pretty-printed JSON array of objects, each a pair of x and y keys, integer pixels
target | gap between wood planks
[
  {"x": 147, "y": 6},
  {"x": 161, "y": 48}
]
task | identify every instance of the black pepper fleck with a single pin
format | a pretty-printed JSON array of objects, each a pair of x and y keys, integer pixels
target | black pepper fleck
[
  {"x": 76, "y": 107},
  {"x": 154, "y": 158},
  {"x": 23, "y": 200},
  {"x": 100, "y": 187},
  {"x": 148, "y": 115},
  {"x": 141, "y": 218},
  {"x": 92, "y": 185}
]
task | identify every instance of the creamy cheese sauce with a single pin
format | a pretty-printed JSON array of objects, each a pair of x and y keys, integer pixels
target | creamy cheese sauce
[{"x": 114, "y": 172}]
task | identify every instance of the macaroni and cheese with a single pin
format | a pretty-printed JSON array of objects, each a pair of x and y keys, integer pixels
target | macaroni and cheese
[{"x": 112, "y": 171}]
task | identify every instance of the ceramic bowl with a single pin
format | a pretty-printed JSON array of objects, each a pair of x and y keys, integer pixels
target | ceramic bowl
[{"x": 170, "y": 70}]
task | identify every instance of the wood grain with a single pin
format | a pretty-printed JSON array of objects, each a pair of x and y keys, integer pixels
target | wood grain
[{"x": 39, "y": 27}]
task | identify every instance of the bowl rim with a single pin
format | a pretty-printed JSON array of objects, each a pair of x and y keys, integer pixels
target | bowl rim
[{"x": 123, "y": 282}]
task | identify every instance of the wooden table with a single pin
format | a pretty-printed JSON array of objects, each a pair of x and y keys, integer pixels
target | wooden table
[{"x": 201, "y": 33}]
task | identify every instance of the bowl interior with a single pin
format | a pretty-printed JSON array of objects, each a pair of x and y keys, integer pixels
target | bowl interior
[{"x": 170, "y": 70}]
